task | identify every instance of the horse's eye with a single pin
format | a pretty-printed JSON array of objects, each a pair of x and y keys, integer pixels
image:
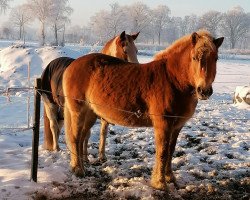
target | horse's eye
[
  {"x": 125, "y": 52},
  {"x": 194, "y": 58},
  {"x": 216, "y": 58}
]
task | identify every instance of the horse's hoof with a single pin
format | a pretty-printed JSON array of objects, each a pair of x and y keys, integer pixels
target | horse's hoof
[
  {"x": 98, "y": 162},
  {"x": 102, "y": 159},
  {"x": 159, "y": 185},
  {"x": 86, "y": 161},
  {"x": 79, "y": 172},
  {"x": 171, "y": 179},
  {"x": 56, "y": 149}
]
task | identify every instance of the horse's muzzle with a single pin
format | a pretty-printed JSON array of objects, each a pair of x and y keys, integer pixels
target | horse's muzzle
[{"x": 204, "y": 94}]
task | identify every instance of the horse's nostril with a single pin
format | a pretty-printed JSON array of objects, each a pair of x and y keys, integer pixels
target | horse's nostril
[
  {"x": 210, "y": 91},
  {"x": 199, "y": 89}
]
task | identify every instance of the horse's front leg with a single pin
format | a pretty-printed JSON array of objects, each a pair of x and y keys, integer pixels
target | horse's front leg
[
  {"x": 162, "y": 135},
  {"x": 169, "y": 173}
]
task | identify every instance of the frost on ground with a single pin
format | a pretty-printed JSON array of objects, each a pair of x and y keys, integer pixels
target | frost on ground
[{"x": 211, "y": 161}]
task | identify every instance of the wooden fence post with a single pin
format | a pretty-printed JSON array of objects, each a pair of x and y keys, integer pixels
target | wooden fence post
[{"x": 36, "y": 126}]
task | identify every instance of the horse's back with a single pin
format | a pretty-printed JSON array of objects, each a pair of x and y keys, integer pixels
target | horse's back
[
  {"x": 51, "y": 78},
  {"x": 109, "y": 81}
]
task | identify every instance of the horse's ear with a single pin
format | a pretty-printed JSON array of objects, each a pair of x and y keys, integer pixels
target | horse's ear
[
  {"x": 194, "y": 37},
  {"x": 134, "y": 36},
  {"x": 218, "y": 41},
  {"x": 123, "y": 36}
]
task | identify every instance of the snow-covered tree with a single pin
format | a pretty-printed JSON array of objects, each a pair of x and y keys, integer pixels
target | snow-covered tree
[
  {"x": 20, "y": 17},
  {"x": 161, "y": 19},
  {"x": 6, "y": 31},
  {"x": 42, "y": 10},
  {"x": 4, "y": 5},
  {"x": 189, "y": 24},
  {"x": 139, "y": 16},
  {"x": 173, "y": 31},
  {"x": 235, "y": 25},
  {"x": 211, "y": 21},
  {"x": 59, "y": 17},
  {"x": 117, "y": 20},
  {"x": 108, "y": 24}
]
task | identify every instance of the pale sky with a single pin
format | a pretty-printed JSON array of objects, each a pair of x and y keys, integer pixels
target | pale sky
[{"x": 84, "y": 9}]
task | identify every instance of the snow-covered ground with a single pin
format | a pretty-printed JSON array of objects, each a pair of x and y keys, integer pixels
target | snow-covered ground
[{"x": 211, "y": 161}]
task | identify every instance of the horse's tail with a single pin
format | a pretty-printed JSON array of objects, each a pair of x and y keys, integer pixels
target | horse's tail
[
  {"x": 48, "y": 136},
  {"x": 67, "y": 124}
]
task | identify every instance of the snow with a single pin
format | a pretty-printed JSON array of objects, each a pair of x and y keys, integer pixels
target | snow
[
  {"x": 242, "y": 97},
  {"x": 212, "y": 155}
]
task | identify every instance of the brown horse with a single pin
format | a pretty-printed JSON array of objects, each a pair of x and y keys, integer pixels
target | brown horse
[
  {"x": 121, "y": 46},
  {"x": 163, "y": 94}
]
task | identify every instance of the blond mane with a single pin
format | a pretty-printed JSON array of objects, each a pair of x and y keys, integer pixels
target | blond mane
[{"x": 181, "y": 43}]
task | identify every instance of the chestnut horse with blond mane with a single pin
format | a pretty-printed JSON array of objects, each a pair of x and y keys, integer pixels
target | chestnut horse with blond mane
[
  {"x": 163, "y": 94},
  {"x": 121, "y": 46}
]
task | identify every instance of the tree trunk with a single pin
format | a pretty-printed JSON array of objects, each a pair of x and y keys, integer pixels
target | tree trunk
[
  {"x": 20, "y": 32},
  {"x": 63, "y": 39},
  {"x": 159, "y": 38},
  {"x": 43, "y": 34},
  {"x": 23, "y": 33},
  {"x": 56, "y": 35}
]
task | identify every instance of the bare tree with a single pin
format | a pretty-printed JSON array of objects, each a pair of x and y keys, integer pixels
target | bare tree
[
  {"x": 4, "y": 5},
  {"x": 19, "y": 17},
  {"x": 235, "y": 25},
  {"x": 173, "y": 29},
  {"x": 161, "y": 18},
  {"x": 139, "y": 15},
  {"x": 73, "y": 34},
  {"x": 59, "y": 17},
  {"x": 189, "y": 24},
  {"x": 116, "y": 21},
  {"x": 211, "y": 21},
  {"x": 42, "y": 10},
  {"x": 107, "y": 24},
  {"x": 6, "y": 31},
  {"x": 99, "y": 26}
]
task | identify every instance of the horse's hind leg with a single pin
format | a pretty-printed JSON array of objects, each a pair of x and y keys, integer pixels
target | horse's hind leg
[
  {"x": 51, "y": 111},
  {"x": 85, "y": 147},
  {"x": 73, "y": 127},
  {"x": 77, "y": 125},
  {"x": 48, "y": 137},
  {"x": 103, "y": 135},
  {"x": 88, "y": 123}
]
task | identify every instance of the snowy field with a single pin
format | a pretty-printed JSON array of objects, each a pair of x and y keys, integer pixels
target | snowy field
[{"x": 211, "y": 161}]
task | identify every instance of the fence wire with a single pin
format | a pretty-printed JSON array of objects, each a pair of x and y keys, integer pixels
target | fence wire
[{"x": 9, "y": 94}]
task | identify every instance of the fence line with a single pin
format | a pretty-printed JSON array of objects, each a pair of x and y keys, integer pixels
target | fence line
[{"x": 138, "y": 113}]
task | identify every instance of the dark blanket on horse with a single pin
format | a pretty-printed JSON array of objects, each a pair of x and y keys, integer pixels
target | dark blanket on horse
[{"x": 52, "y": 79}]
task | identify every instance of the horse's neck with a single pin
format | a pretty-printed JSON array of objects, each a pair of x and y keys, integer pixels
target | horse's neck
[
  {"x": 178, "y": 68},
  {"x": 110, "y": 48}
]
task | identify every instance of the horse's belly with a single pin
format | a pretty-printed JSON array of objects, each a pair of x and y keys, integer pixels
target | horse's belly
[{"x": 123, "y": 117}]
